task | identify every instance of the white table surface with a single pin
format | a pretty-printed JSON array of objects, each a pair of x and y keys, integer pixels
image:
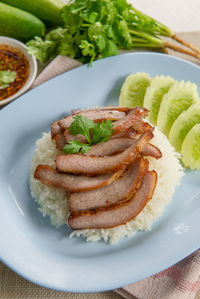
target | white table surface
[{"x": 178, "y": 15}]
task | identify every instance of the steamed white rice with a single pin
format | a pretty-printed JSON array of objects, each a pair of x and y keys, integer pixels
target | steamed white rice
[{"x": 54, "y": 202}]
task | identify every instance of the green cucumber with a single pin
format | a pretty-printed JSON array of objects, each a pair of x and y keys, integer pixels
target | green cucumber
[
  {"x": 46, "y": 10},
  {"x": 159, "y": 86},
  {"x": 179, "y": 98},
  {"x": 133, "y": 90},
  {"x": 183, "y": 124},
  {"x": 19, "y": 24},
  {"x": 191, "y": 148}
]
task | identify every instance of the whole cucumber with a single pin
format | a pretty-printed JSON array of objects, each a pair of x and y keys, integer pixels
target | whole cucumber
[
  {"x": 19, "y": 24},
  {"x": 46, "y": 10}
]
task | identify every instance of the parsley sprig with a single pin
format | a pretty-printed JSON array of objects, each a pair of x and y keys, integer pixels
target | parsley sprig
[{"x": 93, "y": 132}]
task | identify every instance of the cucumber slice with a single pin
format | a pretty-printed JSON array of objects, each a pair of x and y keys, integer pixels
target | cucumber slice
[
  {"x": 183, "y": 124},
  {"x": 159, "y": 86},
  {"x": 179, "y": 98},
  {"x": 19, "y": 24},
  {"x": 191, "y": 148},
  {"x": 133, "y": 90}
]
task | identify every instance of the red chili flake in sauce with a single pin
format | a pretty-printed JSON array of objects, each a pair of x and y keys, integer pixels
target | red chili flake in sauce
[{"x": 11, "y": 59}]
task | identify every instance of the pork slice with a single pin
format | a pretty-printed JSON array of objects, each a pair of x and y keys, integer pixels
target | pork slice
[
  {"x": 93, "y": 165},
  {"x": 55, "y": 129},
  {"x": 108, "y": 195},
  {"x": 69, "y": 137},
  {"x": 110, "y": 147},
  {"x": 134, "y": 116},
  {"x": 60, "y": 141},
  {"x": 142, "y": 126},
  {"x": 151, "y": 151},
  {"x": 117, "y": 108},
  {"x": 119, "y": 213},
  {"x": 73, "y": 183},
  {"x": 115, "y": 146},
  {"x": 130, "y": 133},
  {"x": 96, "y": 115}
]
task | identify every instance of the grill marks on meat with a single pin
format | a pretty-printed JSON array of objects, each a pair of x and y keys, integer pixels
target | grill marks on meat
[
  {"x": 93, "y": 165},
  {"x": 119, "y": 213},
  {"x": 73, "y": 183},
  {"x": 108, "y": 195},
  {"x": 115, "y": 146}
]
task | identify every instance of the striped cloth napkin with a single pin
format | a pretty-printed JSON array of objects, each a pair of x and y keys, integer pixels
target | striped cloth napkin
[{"x": 181, "y": 280}]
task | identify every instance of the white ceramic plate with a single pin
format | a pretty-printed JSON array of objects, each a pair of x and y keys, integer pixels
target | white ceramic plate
[{"x": 45, "y": 255}]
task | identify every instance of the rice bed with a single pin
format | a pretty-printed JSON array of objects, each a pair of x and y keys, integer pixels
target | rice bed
[{"x": 54, "y": 202}]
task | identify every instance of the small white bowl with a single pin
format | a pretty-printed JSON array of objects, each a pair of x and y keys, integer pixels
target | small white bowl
[{"x": 32, "y": 63}]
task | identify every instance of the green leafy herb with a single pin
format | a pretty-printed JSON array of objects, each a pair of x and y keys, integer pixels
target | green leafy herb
[
  {"x": 94, "y": 29},
  {"x": 6, "y": 77},
  {"x": 93, "y": 132},
  {"x": 76, "y": 146},
  {"x": 82, "y": 125},
  {"x": 102, "y": 131}
]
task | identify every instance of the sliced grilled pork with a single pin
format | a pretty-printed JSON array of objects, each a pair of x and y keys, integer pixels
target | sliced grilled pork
[
  {"x": 142, "y": 126},
  {"x": 112, "y": 193},
  {"x": 133, "y": 117},
  {"x": 115, "y": 146},
  {"x": 59, "y": 126},
  {"x": 119, "y": 213},
  {"x": 97, "y": 115},
  {"x": 69, "y": 137},
  {"x": 111, "y": 147},
  {"x": 81, "y": 164},
  {"x": 73, "y": 183},
  {"x": 130, "y": 133},
  {"x": 117, "y": 108},
  {"x": 60, "y": 141},
  {"x": 55, "y": 129}
]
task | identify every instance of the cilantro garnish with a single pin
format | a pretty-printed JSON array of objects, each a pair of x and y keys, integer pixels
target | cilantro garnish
[
  {"x": 6, "y": 77},
  {"x": 93, "y": 132}
]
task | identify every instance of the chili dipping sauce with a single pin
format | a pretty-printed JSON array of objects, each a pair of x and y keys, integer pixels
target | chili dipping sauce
[{"x": 12, "y": 59}]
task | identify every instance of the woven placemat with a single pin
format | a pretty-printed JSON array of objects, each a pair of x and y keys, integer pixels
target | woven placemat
[{"x": 13, "y": 286}]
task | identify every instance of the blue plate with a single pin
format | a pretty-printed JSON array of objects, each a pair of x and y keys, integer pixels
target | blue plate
[{"x": 44, "y": 255}]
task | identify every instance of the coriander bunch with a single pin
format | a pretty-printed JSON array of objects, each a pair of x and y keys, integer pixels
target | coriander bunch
[{"x": 96, "y": 29}]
